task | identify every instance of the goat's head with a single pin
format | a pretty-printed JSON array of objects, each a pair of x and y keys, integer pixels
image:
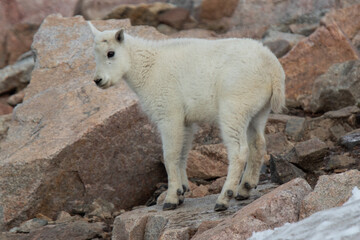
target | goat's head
[{"x": 111, "y": 56}]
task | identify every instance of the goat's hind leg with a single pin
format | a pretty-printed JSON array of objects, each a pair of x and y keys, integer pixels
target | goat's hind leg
[
  {"x": 172, "y": 135},
  {"x": 257, "y": 150},
  {"x": 233, "y": 127}
]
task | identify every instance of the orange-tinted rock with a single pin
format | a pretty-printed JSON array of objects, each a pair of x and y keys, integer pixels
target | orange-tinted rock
[
  {"x": 348, "y": 19},
  {"x": 208, "y": 161},
  {"x": 312, "y": 57},
  {"x": 174, "y": 17},
  {"x": 216, "y": 9}
]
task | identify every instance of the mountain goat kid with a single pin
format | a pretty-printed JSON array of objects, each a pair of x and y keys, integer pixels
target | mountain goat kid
[{"x": 180, "y": 82}]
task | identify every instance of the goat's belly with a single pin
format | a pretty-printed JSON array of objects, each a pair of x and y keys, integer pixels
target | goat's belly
[{"x": 206, "y": 112}]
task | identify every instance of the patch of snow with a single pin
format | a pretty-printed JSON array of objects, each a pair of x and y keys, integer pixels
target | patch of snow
[{"x": 332, "y": 224}]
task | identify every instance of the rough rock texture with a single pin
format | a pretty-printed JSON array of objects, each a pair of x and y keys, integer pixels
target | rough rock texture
[
  {"x": 340, "y": 162},
  {"x": 335, "y": 223},
  {"x": 207, "y": 162},
  {"x": 330, "y": 191},
  {"x": 77, "y": 230},
  {"x": 308, "y": 154},
  {"x": 181, "y": 222},
  {"x": 339, "y": 87},
  {"x": 81, "y": 142},
  {"x": 277, "y": 143},
  {"x": 141, "y": 14},
  {"x": 19, "y": 21},
  {"x": 348, "y": 19},
  {"x": 280, "y": 206},
  {"x": 292, "y": 39},
  {"x": 254, "y": 17},
  {"x": 312, "y": 57},
  {"x": 278, "y": 47},
  {"x": 216, "y": 9},
  {"x": 283, "y": 171},
  {"x": 16, "y": 76},
  {"x": 295, "y": 127},
  {"x": 351, "y": 139},
  {"x": 175, "y": 17},
  {"x": 98, "y": 9}
]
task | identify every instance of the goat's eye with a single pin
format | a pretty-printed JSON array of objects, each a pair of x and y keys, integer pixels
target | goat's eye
[{"x": 110, "y": 54}]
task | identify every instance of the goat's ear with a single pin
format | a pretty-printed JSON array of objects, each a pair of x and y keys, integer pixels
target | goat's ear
[
  {"x": 119, "y": 36},
  {"x": 93, "y": 28}
]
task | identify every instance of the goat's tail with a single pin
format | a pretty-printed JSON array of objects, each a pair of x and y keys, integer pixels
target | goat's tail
[{"x": 277, "y": 101}]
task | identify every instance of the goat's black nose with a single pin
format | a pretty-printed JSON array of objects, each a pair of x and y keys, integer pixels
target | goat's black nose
[{"x": 97, "y": 81}]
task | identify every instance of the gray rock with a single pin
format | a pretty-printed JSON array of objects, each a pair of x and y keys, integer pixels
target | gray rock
[
  {"x": 342, "y": 113},
  {"x": 291, "y": 38},
  {"x": 351, "y": 139},
  {"x": 18, "y": 75},
  {"x": 278, "y": 47},
  {"x": 283, "y": 171},
  {"x": 77, "y": 230},
  {"x": 153, "y": 223},
  {"x": 295, "y": 128},
  {"x": 30, "y": 225},
  {"x": 339, "y": 162},
  {"x": 339, "y": 87}
]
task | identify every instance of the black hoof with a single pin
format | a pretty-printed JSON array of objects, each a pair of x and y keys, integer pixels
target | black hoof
[
  {"x": 169, "y": 206},
  {"x": 185, "y": 189},
  {"x": 247, "y": 186},
  {"x": 220, "y": 207},
  {"x": 229, "y": 193},
  {"x": 179, "y": 192},
  {"x": 181, "y": 201},
  {"x": 240, "y": 198}
]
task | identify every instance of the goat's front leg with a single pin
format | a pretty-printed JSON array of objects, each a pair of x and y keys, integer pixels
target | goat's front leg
[{"x": 172, "y": 135}]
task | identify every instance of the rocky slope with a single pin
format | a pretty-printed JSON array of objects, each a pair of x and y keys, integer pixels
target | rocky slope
[{"x": 77, "y": 162}]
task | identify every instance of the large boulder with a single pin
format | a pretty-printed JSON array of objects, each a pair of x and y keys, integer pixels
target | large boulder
[
  {"x": 339, "y": 87},
  {"x": 70, "y": 142},
  {"x": 19, "y": 20},
  {"x": 313, "y": 56}
]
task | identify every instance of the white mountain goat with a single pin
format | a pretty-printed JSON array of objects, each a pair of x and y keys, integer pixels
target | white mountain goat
[{"x": 232, "y": 82}]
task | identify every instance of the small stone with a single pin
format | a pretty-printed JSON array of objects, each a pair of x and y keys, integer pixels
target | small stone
[
  {"x": 31, "y": 225},
  {"x": 161, "y": 198},
  {"x": 282, "y": 171},
  {"x": 308, "y": 154},
  {"x": 277, "y": 143},
  {"x": 279, "y": 47},
  {"x": 295, "y": 128},
  {"x": 63, "y": 217},
  {"x": 339, "y": 161},
  {"x": 200, "y": 191},
  {"x": 351, "y": 139},
  {"x": 342, "y": 113}
]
